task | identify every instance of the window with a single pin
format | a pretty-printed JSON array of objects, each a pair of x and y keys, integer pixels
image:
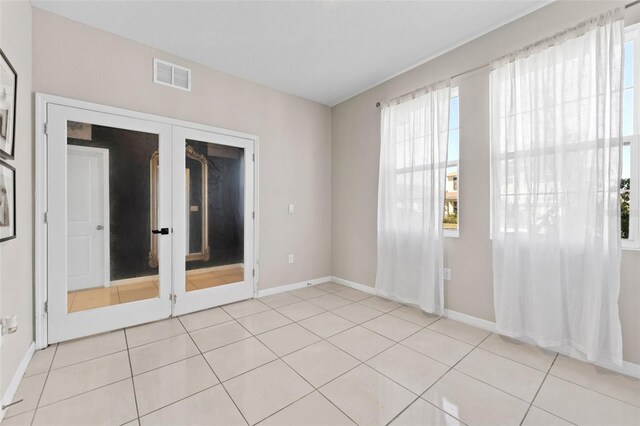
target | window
[
  {"x": 629, "y": 188},
  {"x": 451, "y": 200}
]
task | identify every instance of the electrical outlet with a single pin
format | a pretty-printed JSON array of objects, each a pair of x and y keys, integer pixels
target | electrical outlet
[
  {"x": 447, "y": 274},
  {"x": 290, "y": 258},
  {"x": 292, "y": 209}
]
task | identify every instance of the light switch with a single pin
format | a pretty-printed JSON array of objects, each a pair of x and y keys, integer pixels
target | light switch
[
  {"x": 292, "y": 209},
  {"x": 290, "y": 258}
]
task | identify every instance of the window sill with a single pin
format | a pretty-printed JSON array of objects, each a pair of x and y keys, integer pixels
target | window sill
[{"x": 451, "y": 233}]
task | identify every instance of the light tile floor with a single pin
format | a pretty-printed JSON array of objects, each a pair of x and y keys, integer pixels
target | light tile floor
[
  {"x": 82, "y": 300},
  {"x": 312, "y": 356}
]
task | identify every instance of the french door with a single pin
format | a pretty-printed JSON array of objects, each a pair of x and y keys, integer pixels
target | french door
[
  {"x": 213, "y": 219},
  {"x": 144, "y": 220}
]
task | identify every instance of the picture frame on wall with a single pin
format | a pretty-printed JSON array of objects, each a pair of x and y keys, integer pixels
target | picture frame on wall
[
  {"x": 7, "y": 202},
  {"x": 8, "y": 100}
]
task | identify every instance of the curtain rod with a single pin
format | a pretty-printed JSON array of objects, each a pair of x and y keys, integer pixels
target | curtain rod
[{"x": 626, "y": 6}]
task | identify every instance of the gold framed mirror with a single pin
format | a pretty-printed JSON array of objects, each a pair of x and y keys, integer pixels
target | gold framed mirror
[{"x": 196, "y": 207}]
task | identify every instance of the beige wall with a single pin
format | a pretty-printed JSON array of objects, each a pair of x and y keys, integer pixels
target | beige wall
[
  {"x": 77, "y": 61},
  {"x": 355, "y": 155},
  {"x": 16, "y": 256}
]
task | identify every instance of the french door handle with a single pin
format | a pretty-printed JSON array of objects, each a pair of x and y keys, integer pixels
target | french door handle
[{"x": 161, "y": 231}]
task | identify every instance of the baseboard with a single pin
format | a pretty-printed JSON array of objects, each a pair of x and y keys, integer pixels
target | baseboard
[
  {"x": 469, "y": 320},
  {"x": 354, "y": 285},
  {"x": 628, "y": 368},
  {"x": 7, "y": 398},
  {"x": 289, "y": 287}
]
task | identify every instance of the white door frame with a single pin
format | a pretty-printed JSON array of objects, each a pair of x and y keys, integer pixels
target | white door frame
[
  {"x": 41, "y": 254},
  {"x": 106, "y": 258}
]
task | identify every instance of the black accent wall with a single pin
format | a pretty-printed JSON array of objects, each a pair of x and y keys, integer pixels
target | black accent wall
[
  {"x": 129, "y": 191},
  {"x": 226, "y": 212}
]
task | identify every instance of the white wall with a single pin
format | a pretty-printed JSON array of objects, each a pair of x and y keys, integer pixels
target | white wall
[
  {"x": 16, "y": 256},
  {"x": 355, "y": 157},
  {"x": 77, "y": 61}
]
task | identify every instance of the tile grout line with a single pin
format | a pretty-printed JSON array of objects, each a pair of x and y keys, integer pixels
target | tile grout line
[
  {"x": 360, "y": 363},
  {"x": 133, "y": 383},
  {"x": 516, "y": 361},
  {"x": 538, "y": 391},
  {"x": 178, "y": 400},
  {"x": 547, "y": 372},
  {"x": 440, "y": 378},
  {"x": 315, "y": 389},
  {"x": 107, "y": 384},
  {"x": 214, "y": 373},
  {"x": 395, "y": 343},
  {"x": 89, "y": 359},
  {"x": 256, "y": 336},
  {"x": 83, "y": 393},
  {"x": 591, "y": 389},
  {"x": 251, "y": 335},
  {"x": 449, "y": 370},
  {"x": 44, "y": 385},
  {"x": 311, "y": 344},
  {"x": 279, "y": 358}
]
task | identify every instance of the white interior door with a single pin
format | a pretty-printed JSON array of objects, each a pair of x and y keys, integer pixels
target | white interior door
[
  {"x": 213, "y": 193},
  {"x": 84, "y": 299},
  {"x": 87, "y": 218}
]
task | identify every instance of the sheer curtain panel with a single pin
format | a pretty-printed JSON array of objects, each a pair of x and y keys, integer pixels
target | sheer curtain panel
[
  {"x": 413, "y": 164},
  {"x": 555, "y": 172}
]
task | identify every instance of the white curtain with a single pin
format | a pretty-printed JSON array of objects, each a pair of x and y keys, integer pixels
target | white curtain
[
  {"x": 555, "y": 158},
  {"x": 413, "y": 163}
]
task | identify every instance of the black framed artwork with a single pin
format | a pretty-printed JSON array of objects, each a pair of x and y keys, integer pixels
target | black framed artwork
[
  {"x": 7, "y": 202},
  {"x": 8, "y": 99}
]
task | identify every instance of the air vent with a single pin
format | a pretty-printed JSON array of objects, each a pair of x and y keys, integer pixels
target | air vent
[{"x": 171, "y": 75}]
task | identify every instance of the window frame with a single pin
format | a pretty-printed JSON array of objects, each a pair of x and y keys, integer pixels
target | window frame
[
  {"x": 454, "y": 233},
  {"x": 632, "y": 33}
]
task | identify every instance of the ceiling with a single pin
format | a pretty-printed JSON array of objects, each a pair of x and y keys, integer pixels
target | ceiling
[{"x": 326, "y": 51}]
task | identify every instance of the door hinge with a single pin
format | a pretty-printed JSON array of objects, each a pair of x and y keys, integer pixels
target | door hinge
[
  {"x": 254, "y": 157},
  {"x": 46, "y": 307},
  {"x": 173, "y": 298},
  {"x": 46, "y": 128},
  {"x": 46, "y": 217},
  {"x": 253, "y": 273},
  {"x": 253, "y": 215}
]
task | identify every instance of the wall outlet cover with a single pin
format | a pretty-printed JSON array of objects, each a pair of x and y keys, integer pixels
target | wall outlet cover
[{"x": 447, "y": 274}]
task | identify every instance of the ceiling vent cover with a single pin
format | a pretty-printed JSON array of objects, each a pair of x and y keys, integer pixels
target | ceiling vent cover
[{"x": 171, "y": 75}]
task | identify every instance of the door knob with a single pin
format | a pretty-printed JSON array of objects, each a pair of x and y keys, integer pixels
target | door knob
[
  {"x": 161, "y": 231},
  {"x": 99, "y": 227}
]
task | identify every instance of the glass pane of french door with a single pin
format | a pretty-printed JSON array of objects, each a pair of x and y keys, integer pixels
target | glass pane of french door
[
  {"x": 110, "y": 191},
  {"x": 214, "y": 215}
]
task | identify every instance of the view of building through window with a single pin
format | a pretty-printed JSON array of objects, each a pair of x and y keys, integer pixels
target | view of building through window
[
  {"x": 451, "y": 203},
  {"x": 627, "y": 131}
]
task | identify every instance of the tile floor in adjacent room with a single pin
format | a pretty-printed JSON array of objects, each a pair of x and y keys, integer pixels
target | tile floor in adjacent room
[
  {"x": 322, "y": 355},
  {"x": 82, "y": 300}
]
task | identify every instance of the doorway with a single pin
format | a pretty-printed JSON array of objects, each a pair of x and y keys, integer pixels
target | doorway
[
  {"x": 146, "y": 218},
  {"x": 87, "y": 217}
]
